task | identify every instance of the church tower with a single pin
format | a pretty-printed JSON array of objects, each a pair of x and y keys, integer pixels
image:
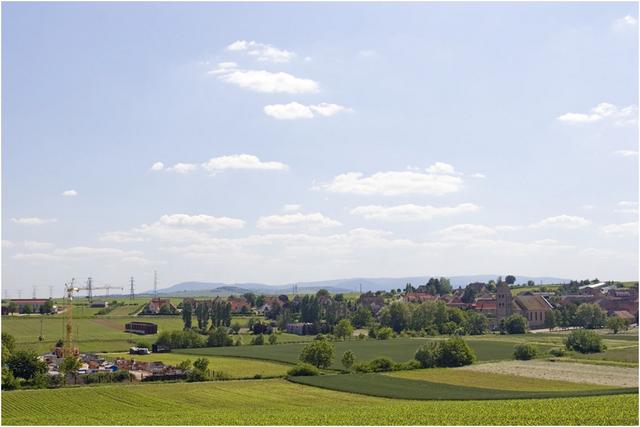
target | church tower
[{"x": 503, "y": 301}]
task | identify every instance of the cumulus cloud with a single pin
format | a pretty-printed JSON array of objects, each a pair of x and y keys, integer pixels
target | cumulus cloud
[
  {"x": 261, "y": 51},
  {"x": 182, "y": 168},
  {"x": 441, "y": 168},
  {"x": 466, "y": 231},
  {"x": 292, "y": 207},
  {"x": 394, "y": 183},
  {"x": 295, "y": 110},
  {"x": 35, "y": 245},
  {"x": 411, "y": 212},
  {"x": 620, "y": 230},
  {"x": 310, "y": 221},
  {"x": 33, "y": 221},
  {"x": 241, "y": 161},
  {"x": 120, "y": 237},
  {"x": 157, "y": 166},
  {"x": 211, "y": 222},
  {"x": 627, "y": 207},
  {"x": 603, "y": 112},
  {"x": 562, "y": 221},
  {"x": 625, "y": 23},
  {"x": 69, "y": 193},
  {"x": 80, "y": 253},
  {"x": 266, "y": 81},
  {"x": 626, "y": 153}
]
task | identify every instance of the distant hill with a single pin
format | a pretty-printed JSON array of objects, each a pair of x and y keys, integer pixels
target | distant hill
[{"x": 334, "y": 286}]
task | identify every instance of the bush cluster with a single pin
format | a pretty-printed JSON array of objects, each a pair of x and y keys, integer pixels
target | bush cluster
[
  {"x": 303, "y": 370},
  {"x": 525, "y": 351},
  {"x": 584, "y": 341},
  {"x": 449, "y": 353}
]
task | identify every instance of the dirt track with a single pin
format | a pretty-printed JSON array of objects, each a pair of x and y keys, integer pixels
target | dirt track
[{"x": 574, "y": 372}]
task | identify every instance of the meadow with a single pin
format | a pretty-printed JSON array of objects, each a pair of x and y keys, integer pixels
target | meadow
[{"x": 279, "y": 402}]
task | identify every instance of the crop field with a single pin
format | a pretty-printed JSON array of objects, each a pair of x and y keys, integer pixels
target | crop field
[
  {"x": 234, "y": 367},
  {"x": 279, "y": 402},
  {"x": 404, "y": 388},
  {"x": 468, "y": 378},
  {"x": 400, "y": 350}
]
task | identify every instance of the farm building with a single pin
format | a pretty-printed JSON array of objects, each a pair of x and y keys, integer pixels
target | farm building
[
  {"x": 419, "y": 297},
  {"x": 141, "y": 328},
  {"x": 99, "y": 304},
  {"x": 300, "y": 328},
  {"x": 157, "y": 306},
  {"x": 33, "y": 305},
  {"x": 239, "y": 305}
]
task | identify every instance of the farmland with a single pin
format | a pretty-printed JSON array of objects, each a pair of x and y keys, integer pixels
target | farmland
[{"x": 279, "y": 402}]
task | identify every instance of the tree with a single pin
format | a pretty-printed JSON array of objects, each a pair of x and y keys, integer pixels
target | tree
[
  {"x": 590, "y": 316},
  {"x": 343, "y": 329},
  {"x": 322, "y": 293},
  {"x": 9, "y": 382},
  {"x": 201, "y": 364},
  {"x": 338, "y": 297},
  {"x": 26, "y": 309},
  {"x": 428, "y": 355},
  {"x": 187, "y": 312},
  {"x": 258, "y": 340},
  {"x": 25, "y": 364},
  {"x": 469, "y": 295},
  {"x": 525, "y": 351},
  {"x": 165, "y": 310},
  {"x": 347, "y": 359},
  {"x": 273, "y": 339},
  {"x": 455, "y": 352},
  {"x": 399, "y": 316},
  {"x": 510, "y": 280},
  {"x": 260, "y": 300},
  {"x": 185, "y": 365},
  {"x": 476, "y": 324},
  {"x": 251, "y": 298},
  {"x": 310, "y": 309},
  {"x": 616, "y": 323},
  {"x": 8, "y": 345},
  {"x": 47, "y": 307},
  {"x": 70, "y": 366},
  {"x": 515, "y": 324},
  {"x": 219, "y": 337},
  {"x": 319, "y": 353},
  {"x": 384, "y": 333},
  {"x": 12, "y": 307},
  {"x": 584, "y": 341}
]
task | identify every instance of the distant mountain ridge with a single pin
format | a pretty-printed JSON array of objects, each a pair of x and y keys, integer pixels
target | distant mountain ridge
[{"x": 193, "y": 288}]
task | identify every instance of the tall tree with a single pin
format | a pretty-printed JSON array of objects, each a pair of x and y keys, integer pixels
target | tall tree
[{"x": 187, "y": 312}]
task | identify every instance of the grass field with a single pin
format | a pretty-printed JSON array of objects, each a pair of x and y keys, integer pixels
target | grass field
[
  {"x": 403, "y": 388},
  {"x": 235, "y": 367},
  {"x": 484, "y": 380},
  {"x": 279, "y": 402},
  {"x": 400, "y": 350}
]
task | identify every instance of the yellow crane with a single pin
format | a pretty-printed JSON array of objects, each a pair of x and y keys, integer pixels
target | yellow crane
[{"x": 70, "y": 289}]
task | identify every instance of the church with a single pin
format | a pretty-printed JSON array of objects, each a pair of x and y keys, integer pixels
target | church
[{"x": 532, "y": 306}]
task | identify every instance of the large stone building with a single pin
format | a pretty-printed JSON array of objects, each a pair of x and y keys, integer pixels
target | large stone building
[{"x": 533, "y": 307}]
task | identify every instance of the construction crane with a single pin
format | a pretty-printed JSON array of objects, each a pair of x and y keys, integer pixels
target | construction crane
[{"x": 70, "y": 289}]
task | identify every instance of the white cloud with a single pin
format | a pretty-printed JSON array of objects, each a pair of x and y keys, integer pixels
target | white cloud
[
  {"x": 466, "y": 231},
  {"x": 620, "y": 230},
  {"x": 292, "y": 207},
  {"x": 394, "y": 183},
  {"x": 266, "y": 81},
  {"x": 7, "y": 244},
  {"x": 478, "y": 175},
  {"x": 211, "y": 222},
  {"x": 182, "y": 168},
  {"x": 119, "y": 237},
  {"x": 311, "y": 221},
  {"x": 601, "y": 112},
  {"x": 441, "y": 168},
  {"x": 261, "y": 51},
  {"x": 626, "y": 153},
  {"x": 157, "y": 166},
  {"x": 562, "y": 221},
  {"x": 627, "y": 207},
  {"x": 69, "y": 193},
  {"x": 78, "y": 253},
  {"x": 367, "y": 53},
  {"x": 625, "y": 23},
  {"x": 36, "y": 246},
  {"x": 411, "y": 212},
  {"x": 241, "y": 161},
  {"x": 295, "y": 110},
  {"x": 33, "y": 221}
]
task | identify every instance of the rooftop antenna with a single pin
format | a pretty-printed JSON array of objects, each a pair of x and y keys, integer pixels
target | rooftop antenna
[
  {"x": 132, "y": 295},
  {"x": 155, "y": 284}
]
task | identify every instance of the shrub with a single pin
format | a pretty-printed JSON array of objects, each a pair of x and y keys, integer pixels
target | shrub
[
  {"x": 557, "y": 352},
  {"x": 455, "y": 352},
  {"x": 196, "y": 375},
  {"x": 428, "y": 355},
  {"x": 525, "y": 351},
  {"x": 408, "y": 365},
  {"x": 584, "y": 341},
  {"x": 384, "y": 333},
  {"x": 273, "y": 339},
  {"x": 515, "y": 324},
  {"x": 258, "y": 340},
  {"x": 219, "y": 338},
  {"x": 303, "y": 370},
  {"x": 361, "y": 336},
  {"x": 318, "y": 353},
  {"x": 362, "y": 368},
  {"x": 221, "y": 376},
  {"x": 616, "y": 323},
  {"x": 347, "y": 359},
  {"x": 382, "y": 364}
]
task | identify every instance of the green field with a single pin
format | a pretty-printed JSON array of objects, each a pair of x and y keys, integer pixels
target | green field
[
  {"x": 234, "y": 367},
  {"x": 279, "y": 402},
  {"x": 400, "y": 350},
  {"x": 468, "y": 378},
  {"x": 397, "y": 387}
]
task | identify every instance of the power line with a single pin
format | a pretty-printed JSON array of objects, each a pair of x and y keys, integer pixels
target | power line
[
  {"x": 90, "y": 288},
  {"x": 155, "y": 284},
  {"x": 132, "y": 295},
  {"x": 34, "y": 292}
]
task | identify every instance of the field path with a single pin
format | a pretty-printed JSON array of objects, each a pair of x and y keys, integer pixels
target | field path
[{"x": 563, "y": 371}]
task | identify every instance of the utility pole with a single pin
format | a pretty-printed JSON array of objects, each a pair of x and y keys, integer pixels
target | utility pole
[
  {"x": 19, "y": 293},
  {"x": 360, "y": 288},
  {"x": 155, "y": 284},
  {"x": 132, "y": 295},
  {"x": 90, "y": 289},
  {"x": 34, "y": 292},
  {"x": 50, "y": 291}
]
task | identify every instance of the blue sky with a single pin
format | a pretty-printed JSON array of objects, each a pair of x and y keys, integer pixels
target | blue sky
[{"x": 291, "y": 142}]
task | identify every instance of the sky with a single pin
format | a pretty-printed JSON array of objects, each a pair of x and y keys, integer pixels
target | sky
[{"x": 280, "y": 143}]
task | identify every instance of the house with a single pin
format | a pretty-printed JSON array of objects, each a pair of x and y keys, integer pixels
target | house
[
  {"x": 31, "y": 305},
  {"x": 625, "y": 315},
  {"x": 371, "y": 301},
  {"x": 269, "y": 304},
  {"x": 239, "y": 305},
  {"x": 300, "y": 328},
  {"x": 486, "y": 306},
  {"x": 456, "y": 302},
  {"x": 533, "y": 307},
  {"x": 478, "y": 287},
  {"x": 156, "y": 304},
  {"x": 141, "y": 328}
]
